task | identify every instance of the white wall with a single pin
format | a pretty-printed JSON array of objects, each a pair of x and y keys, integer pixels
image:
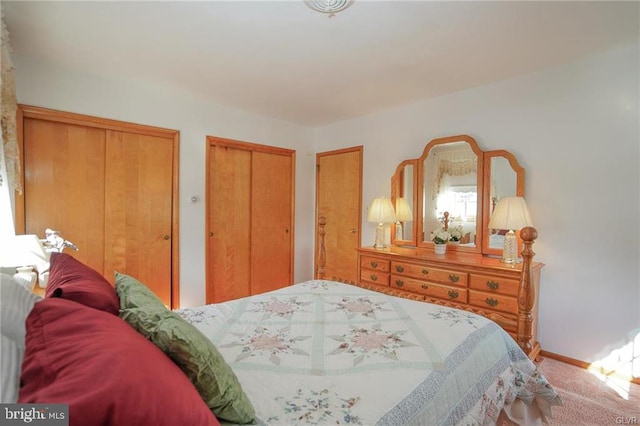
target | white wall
[
  {"x": 575, "y": 130},
  {"x": 42, "y": 85}
]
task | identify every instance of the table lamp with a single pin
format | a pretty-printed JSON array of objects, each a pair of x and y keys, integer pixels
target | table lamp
[
  {"x": 24, "y": 251},
  {"x": 403, "y": 214},
  {"x": 381, "y": 212},
  {"x": 511, "y": 214}
]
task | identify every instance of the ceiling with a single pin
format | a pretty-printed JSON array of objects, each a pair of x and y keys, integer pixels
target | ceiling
[{"x": 282, "y": 60}]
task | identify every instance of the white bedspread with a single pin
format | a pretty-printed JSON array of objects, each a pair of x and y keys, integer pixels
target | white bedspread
[{"x": 322, "y": 352}]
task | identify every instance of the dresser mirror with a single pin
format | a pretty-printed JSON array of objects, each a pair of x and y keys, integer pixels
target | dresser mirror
[
  {"x": 454, "y": 175},
  {"x": 505, "y": 178},
  {"x": 404, "y": 199},
  {"x": 450, "y": 182}
]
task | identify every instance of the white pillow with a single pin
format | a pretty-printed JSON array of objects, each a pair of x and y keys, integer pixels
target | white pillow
[{"x": 16, "y": 303}]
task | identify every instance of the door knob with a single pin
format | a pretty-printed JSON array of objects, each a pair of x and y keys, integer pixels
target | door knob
[
  {"x": 352, "y": 230},
  {"x": 166, "y": 237}
]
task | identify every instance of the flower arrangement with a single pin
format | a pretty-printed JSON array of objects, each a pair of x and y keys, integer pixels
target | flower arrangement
[
  {"x": 440, "y": 236},
  {"x": 455, "y": 233}
]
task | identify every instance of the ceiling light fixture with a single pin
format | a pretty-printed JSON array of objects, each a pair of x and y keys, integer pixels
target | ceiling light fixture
[{"x": 330, "y": 7}]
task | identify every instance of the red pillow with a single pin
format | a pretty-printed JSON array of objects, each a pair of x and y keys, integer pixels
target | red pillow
[
  {"x": 71, "y": 279},
  {"x": 107, "y": 372}
]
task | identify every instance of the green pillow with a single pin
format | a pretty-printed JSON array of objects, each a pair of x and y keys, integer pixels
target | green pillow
[{"x": 191, "y": 350}]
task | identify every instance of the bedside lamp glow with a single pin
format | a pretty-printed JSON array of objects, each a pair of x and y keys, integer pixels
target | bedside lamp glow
[
  {"x": 511, "y": 213},
  {"x": 381, "y": 212}
]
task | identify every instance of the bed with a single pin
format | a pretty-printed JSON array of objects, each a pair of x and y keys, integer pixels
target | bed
[{"x": 318, "y": 352}]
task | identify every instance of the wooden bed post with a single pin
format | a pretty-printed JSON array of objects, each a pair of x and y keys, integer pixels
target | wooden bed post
[
  {"x": 322, "y": 254},
  {"x": 526, "y": 292}
]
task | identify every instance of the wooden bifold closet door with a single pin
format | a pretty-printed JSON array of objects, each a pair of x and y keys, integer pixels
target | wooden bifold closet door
[
  {"x": 250, "y": 218},
  {"x": 110, "y": 188}
]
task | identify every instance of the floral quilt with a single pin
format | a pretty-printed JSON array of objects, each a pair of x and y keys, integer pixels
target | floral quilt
[{"x": 323, "y": 352}]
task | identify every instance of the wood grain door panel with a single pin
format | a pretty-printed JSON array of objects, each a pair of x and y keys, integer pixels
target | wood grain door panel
[
  {"x": 339, "y": 201},
  {"x": 64, "y": 185},
  {"x": 138, "y": 200},
  {"x": 229, "y": 223},
  {"x": 271, "y": 219}
]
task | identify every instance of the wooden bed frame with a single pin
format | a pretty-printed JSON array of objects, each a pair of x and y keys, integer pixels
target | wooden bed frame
[{"x": 526, "y": 292}]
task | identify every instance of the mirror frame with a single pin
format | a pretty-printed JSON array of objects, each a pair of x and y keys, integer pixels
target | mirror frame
[
  {"x": 397, "y": 180},
  {"x": 486, "y": 195},
  {"x": 479, "y": 188}
]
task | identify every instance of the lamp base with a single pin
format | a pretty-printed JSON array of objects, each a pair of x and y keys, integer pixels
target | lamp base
[
  {"x": 510, "y": 249},
  {"x": 379, "y": 243},
  {"x": 399, "y": 232}
]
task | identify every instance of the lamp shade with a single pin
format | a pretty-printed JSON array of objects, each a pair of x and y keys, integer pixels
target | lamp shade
[
  {"x": 381, "y": 211},
  {"x": 403, "y": 211},
  {"x": 22, "y": 250},
  {"x": 511, "y": 213}
]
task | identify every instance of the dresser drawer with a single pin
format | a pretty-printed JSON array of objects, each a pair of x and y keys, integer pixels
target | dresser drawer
[
  {"x": 494, "y": 284},
  {"x": 374, "y": 263},
  {"x": 494, "y": 302},
  {"x": 374, "y": 277},
  {"x": 429, "y": 289},
  {"x": 422, "y": 272}
]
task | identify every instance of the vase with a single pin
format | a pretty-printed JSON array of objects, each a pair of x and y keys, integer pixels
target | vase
[{"x": 440, "y": 248}]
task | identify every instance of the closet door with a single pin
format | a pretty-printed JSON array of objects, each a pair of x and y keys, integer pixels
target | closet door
[
  {"x": 229, "y": 223},
  {"x": 110, "y": 187},
  {"x": 138, "y": 198},
  {"x": 249, "y": 218},
  {"x": 64, "y": 185},
  {"x": 271, "y": 221}
]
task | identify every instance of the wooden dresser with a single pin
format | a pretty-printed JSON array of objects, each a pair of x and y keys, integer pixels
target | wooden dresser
[
  {"x": 456, "y": 184},
  {"x": 462, "y": 280}
]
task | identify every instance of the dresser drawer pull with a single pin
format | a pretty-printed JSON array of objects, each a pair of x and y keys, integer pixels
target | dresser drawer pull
[
  {"x": 399, "y": 268},
  {"x": 374, "y": 264},
  {"x": 491, "y": 302},
  {"x": 424, "y": 286},
  {"x": 425, "y": 271},
  {"x": 374, "y": 277},
  {"x": 493, "y": 285},
  {"x": 454, "y": 278},
  {"x": 399, "y": 283},
  {"x": 453, "y": 294}
]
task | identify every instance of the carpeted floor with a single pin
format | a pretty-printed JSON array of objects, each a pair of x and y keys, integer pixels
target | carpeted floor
[{"x": 588, "y": 399}]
